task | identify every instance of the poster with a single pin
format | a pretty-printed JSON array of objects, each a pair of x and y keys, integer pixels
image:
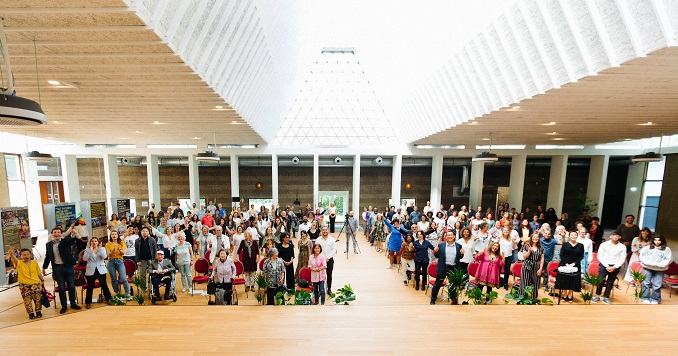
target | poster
[
  {"x": 64, "y": 215},
  {"x": 123, "y": 206},
  {"x": 16, "y": 231},
  {"x": 98, "y": 213}
]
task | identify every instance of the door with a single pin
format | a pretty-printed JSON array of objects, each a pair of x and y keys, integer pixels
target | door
[{"x": 51, "y": 192}]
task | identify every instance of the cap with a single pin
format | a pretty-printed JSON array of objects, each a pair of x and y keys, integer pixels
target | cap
[{"x": 160, "y": 252}]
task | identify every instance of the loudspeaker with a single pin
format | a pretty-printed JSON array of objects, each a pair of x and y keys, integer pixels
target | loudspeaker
[{"x": 235, "y": 200}]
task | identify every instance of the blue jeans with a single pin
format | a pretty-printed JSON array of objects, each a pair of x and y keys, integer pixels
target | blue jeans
[
  {"x": 319, "y": 290},
  {"x": 116, "y": 264},
  {"x": 186, "y": 278},
  {"x": 652, "y": 286},
  {"x": 585, "y": 263},
  {"x": 64, "y": 275}
]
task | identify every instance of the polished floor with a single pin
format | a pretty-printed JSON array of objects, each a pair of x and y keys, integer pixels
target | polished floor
[{"x": 386, "y": 318}]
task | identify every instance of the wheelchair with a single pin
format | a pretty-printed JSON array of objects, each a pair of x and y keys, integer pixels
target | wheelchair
[{"x": 166, "y": 282}]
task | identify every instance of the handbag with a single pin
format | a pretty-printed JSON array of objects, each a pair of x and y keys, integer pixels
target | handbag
[
  {"x": 211, "y": 287},
  {"x": 303, "y": 283},
  {"x": 46, "y": 297}
]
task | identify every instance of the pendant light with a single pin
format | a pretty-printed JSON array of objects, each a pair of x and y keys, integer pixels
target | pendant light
[
  {"x": 35, "y": 155},
  {"x": 486, "y": 156},
  {"x": 650, "y": 156},
  {"x": 209, "y": 155}
]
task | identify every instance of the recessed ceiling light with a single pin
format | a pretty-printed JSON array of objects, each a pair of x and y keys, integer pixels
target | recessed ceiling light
[
  {"x": 53, "y": 82},
  {"x": 646, "y": 124},
  {"x": 138, "y": 132},
  {"x": 124, "y": 138},
  {"x": 474, "y": 122},
  {"x": 550, "y": 123},
  {"x": 219, "y": 107},
  {"x": 236, "y": 122},
  {"x": 551, "y": 133},
  {"x": 559, "y": 139},
  {"x": 157, "y": 123},
  {"x": 516, "y": 107},
  {"x": 486, "y": 139},
  {"x": 627, "y": 139},
  {"x": 197, "y": 138}
]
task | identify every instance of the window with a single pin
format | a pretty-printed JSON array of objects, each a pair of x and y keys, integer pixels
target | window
[
  {"x": 652, "y": 191},
  {"x": 15, "y": 181}
]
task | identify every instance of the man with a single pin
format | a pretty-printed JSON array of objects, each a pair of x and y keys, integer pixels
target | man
[
  {"x": 373, "y": 220},
  {"x": 122, "y": 226},
  {"x": 448, "y": 253},
  {"x": 329, "y": 247},
  {"x": 201, "y": 212},
  {"x": 211, "y": 208},
  {"x": 144, "y": 249},
  {"x": 304, "y": 226},
  {"x": 391, "y": 212},
  {"x": 217, "y": 242},
  {"x": 611, "y": 255},
  {"x": 152, "y": 209},
  {"x": 427, "y": 208},
  {"x": 476, "y": 221},
  {"x": 415, "y": 216},
  {"x": 479, "y": 210},
  {"x": 628, "y": 231},
  {"x": 410, "y": 207},
  {"x": 549, "y": 245},
  {"x": 221, "y": 211},
  {"x": 352, "y": 230},
  {"x": 208, "y": 220},
  {"x": 161, "y": 272},
  {"x": 59, "y": 255}
]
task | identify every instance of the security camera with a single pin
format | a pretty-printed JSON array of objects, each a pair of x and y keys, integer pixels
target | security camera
[
  {"x": 337, "y": 160},
  {"x": 125, "y": 160},
  {"x": 295, "y": 160},
  {"x": 378, "y": 160}
]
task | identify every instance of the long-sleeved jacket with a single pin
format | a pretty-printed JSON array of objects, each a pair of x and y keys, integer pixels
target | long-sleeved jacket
[
  {"x": 137, "y": 247},
  {"x": 165, "y": 264},
  {"x": 95, "y": 261}
]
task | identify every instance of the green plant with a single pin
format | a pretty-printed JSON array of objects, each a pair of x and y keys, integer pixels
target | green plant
[
  {"x": 585, "y": 203},
  {"x": 344, "y": 295},
  {"x": 456, "y": 282},
  {"x": 283, "y": 297},
  {"x": 139, "y": 282},
  {"x": 638, "y": 279},
  {"x": 302, "y": 297},
  {"x": 592, "y": 280},
  {"x": 139, "y": 298},
  {"x": 586, "y": 296},
  {"x": 262, "y": 284},
  {"x": 119, "y": 299},
  {"x": 477, "y": 296},
  {"x": 526, "y": 298}
]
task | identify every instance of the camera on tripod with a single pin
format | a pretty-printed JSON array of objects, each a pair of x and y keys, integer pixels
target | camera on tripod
[{"x": 346, "y": 216}]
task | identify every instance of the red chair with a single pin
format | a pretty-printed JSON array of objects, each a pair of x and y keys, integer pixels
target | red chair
[
  {"x": 595, "y": 257},
  {"x": 208, "y": 254},
  {"x": 239, "y": 268},
  {"x": 261, "y": 264},
  {"x": 202, "y": 268},
  {"x": 472, "y": 271},
  {"x": 432, "y": 273},
  {"x": 130, "y": 269},
  {"x": 305, "y": 274},
  {"x": 83, "y": 288},
  {"x": 671, "y": 282},
  {"x": 636, "y": 267},
  {"x": 552, "y": 269},
  {"x": 517, "y": 272}
]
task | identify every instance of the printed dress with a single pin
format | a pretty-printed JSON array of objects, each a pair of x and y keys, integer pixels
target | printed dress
[{"x": 529, "y": 272}]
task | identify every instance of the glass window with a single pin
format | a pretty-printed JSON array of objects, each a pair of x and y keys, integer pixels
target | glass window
[
  {"x": 13, "y": 166},
  {"x": 652, "y": 191},
  {"x": 655, "y": 170},
  {"x": 17, "y": 193}
]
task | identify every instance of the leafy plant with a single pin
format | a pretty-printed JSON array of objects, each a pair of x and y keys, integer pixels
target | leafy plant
[
  {"x": 262, "y": 284},
  {"x": 139, "y": 298},
  {"x": 592, "y": 280},
  {"x": 585, "y": 203},
  {"x": 477, "y": 296},
  {"x": 283, "y": 297},
  {"x": 139, "y": 282},
  {"x": 526, "y": 298},
  {"x": 302, "y": 297},
  {"x": 456, "y": 282},
  {"x": 119, "y": 299},
  {"x": 638, "y": 279},
  {"x": 586, "y": 296},
  {"x": 344, "y": 295}
]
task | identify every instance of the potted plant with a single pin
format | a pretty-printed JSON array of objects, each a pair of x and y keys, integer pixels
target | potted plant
[
  {"x": 593, "y": 280},
  {"x": 119, "y": 299},
  {"x": 638, "y": 279},
  {"x": 344, "y": 295},
  {"x": 302, "y": 297},
  {"x": 262, "y": 284},
  {"x": 456, "y": 282},
  {"x": 138, "y": 282},
  {"x": 526, "y": 298},
  {"x": 476, "y": 296}
]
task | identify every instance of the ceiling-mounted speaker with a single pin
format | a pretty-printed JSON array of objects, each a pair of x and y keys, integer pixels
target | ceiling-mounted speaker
[
  {"x": 295, "y": 160},
  {"x": 337, "y": 160},
  {"x": 378, "y": 160}
]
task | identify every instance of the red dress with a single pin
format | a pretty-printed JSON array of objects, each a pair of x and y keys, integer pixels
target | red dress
[{"x": 488, "y": 270}]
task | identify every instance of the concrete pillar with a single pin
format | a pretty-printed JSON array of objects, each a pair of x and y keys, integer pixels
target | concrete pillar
[
  {"x": 274, "y": 178},
  {"x": 597, "y": 181},
  {"x": 316, "y": 181},
  {"x": 355, "y": 206},
  {"x": 556, "y": 192},
  {"x": 476, "y": 183},
  {"x": 194, "y": 180},
  {"x": 153, "y": 177},
  {"x": 69, "y": 171},
  {"x": 634, "y": 190},
  {"x": 112, "y": 180},
  {"x": 235, "y": 178},
  {"x": 4, "y": 185},
  {"x": 33, "y": 198},
  {"x": 517, "y": 183},
  {"x": 396, "y": 180},
  {"x": 436, "y": 182}
]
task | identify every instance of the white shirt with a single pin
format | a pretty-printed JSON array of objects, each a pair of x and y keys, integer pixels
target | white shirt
[
  {"x": 611, "y": 254},
  {"x": 329, "y": 246},
  {"x": 506, "y": 247},
  {"x": 129, "y": 245},
  {"x": 588, "y": 247},
  {"x": 481, "y": 240},
  {"x": 237, "y": 239}
]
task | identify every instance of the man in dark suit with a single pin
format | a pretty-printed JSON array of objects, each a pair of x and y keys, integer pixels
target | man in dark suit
[
  {"x": 59, "y": 255},
  {"x": 449, "y": 253}
]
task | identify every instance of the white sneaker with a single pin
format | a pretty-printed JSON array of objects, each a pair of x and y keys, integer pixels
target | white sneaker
[
  {"x": 183, "y": 290},
  {"x": 645, "y": 301},
  {"x": 654, "y": 302},
  {"x": 595, "y": 299}
]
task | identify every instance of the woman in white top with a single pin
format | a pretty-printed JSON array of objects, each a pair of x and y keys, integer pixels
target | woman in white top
[
  {"x": 452, "y": 218},
  {"x": 424, "y": 224},
  {"x": 238, "y": 238},
  {"x": 440, "y": 221},
  {"x": 468, "y": 246},
  {"x": 203, "y": 240},
  {"x": 507, "y": 243},
  {"x": 588, "y": 249},
  {"x": 130, "y": 239},
  {"x": 636, "y": 245},
  {"x": 332, "y": 211},
  {"x": 561, "y": 237}
]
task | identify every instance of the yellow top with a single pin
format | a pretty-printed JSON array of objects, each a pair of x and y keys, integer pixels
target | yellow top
[
  {"x": 28, "y": 274},
  {"x": 116, "y": 253}
]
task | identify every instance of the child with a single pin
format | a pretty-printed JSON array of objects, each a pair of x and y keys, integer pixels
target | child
[{"x": 30, "y": 281}]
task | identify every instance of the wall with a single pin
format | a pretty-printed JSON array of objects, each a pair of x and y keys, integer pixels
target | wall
[
  {"x": 375, "y": 186},
  {"x": 420, "y": 178},
  {"x": 249, "y": 176},
  {"x": 4, "y": 188},
  {"x": 92, "y": 180},
  {"x": 295, "y": 182},
  {"x": 337, "y": 179},
  {"x": 615, "y": 190},
  {"x": 215, "y": 184},
  {"x": 668, "y": 205},
  {"x": 576, "y": 182},
  {"x": 134, "y": 184},
  {"x": 450, "y": 190},
  {"x": 536, "y": 186}
]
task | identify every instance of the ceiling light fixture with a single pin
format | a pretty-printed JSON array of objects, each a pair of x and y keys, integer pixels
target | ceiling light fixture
[
  {"x": 516, "y": 107},
  {"x": 559, "y": 139},
  {"x": 196, "y": 138},
  {"x": 209, "y": 155},
  {"x": 486, "y": 156},
  {"x": 559, "y": 147},
  {"x": 53, "y": 82},
  {"x": 157, "y": 123},
  {"x": 219, "y": 107},
  {"x": 649, "y": 123},
  {"x": 551, "y": 133},
  {"x": 650, "y": 156},
  {"x": 549, "y": 124}
]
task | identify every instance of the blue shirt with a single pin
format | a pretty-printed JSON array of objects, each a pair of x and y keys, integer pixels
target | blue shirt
[
  {"x": 549, "y": 246},
  {"x": 415, "y": 217},
  {"x": 450, "y": 253},
  {"x": 396, "y": 239}
]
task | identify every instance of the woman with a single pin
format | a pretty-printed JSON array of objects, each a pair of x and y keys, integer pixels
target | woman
[
  {"x": 533, "y": 264},
  {"x": 137, "y": 222},
  {"x": 332, "y": 210},
  {"x": 184, "y": 260},
  {"x": 456, "y": 230},
  {"x": 507, "y": 244},
  {"x": 130, "y": 238},
  {"x": 561, "y": 238},
  {"x": 286, "y": 252},
  {"x": 30, "y": 281},
  {"x": 516, "y": 221},
  {"x": 313, "y": 232},
  {"x": 565, "y": 221},
  {"x": 238, "y": 238},
  {"x": 586, "y": 242},
  {"x": 304, "y": 246},
  {"x": 655, "y": 259},
  {"x": 452, "y": 218},
  {"x": 274, "y": 272},
  {"x": 379, "y": 232},
  {"x": 223, "y": 273},
  {"x": 596, "y": 232},
  {"x": 188, "y": 230},
  {"x": 440, "y": 221},
  {"x": 394, "y": 242},
  {"x": 113, "y": 223},
  {"x": 524, "y": 233},
  {"x": 463, "y": 220},
  {"x": 422, "y": 248},
  {"x": 203, "y": 241},
  {"x": 279, "y": 227},
  {"x": 468, "y": 244},
  {"x": 250, "y": 257},
  {"x": 491, "y": 261},
  {"x": 551, "y": 217},
  {"x": 637, "y": 244},
  {"x": 268, "y": 240},
  {"x": 115, "y": 249},
  {"x": 318, "y": 264},
  {"x": 535, "y": 225},
  {"x": 424, "y": 224},
  {"x": 571, "y": 255},
  {"x": 407, "y": 258},
  {"x": 96, "y": 270},
  {"x": 407, "y": 223},
  {"x": 151, "y": 219}
]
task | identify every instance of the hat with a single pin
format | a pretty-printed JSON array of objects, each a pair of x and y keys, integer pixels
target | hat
[{"x": 160, "y": 252}]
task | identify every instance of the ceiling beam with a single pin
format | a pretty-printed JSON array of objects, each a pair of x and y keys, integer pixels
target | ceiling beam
[
  {"x": 63, "y": 10},
  {"x": 77, "y": 28}
]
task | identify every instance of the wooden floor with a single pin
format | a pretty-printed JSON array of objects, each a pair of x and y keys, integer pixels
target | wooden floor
[{"x": 386, "y": 318}]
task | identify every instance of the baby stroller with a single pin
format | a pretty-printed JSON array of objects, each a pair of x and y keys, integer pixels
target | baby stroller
[{"x": 167, "y": 282}]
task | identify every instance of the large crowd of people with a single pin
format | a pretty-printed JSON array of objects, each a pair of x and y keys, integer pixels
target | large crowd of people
[{"x": 166, "y": 242}]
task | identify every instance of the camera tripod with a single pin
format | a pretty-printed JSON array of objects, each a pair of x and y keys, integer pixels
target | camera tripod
[{"x": 350, "y": 236}]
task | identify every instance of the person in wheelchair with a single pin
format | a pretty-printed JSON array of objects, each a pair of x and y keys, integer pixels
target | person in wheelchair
[
  {"x": 223, "y": 273},
  {"x": 162, "y": 271}
]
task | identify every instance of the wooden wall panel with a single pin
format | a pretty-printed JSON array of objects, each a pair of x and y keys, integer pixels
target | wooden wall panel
[
  {"x": 375, "y": 186},
  {"x": 92, "y": 179},
  {"x": 249, "y": 176},
  {"x": 215, "y": 184},
  {"x": 295, "y": 182},
  {"x": 420, "y": 178},
  {"x": 134, "y": 184},
  {"x": 173, "y": 184}
]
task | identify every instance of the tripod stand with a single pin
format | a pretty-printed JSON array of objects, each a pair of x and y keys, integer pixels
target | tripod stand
[{"x": 350, "y": 236}]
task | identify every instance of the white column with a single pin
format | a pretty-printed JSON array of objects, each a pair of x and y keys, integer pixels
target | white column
[
  {"x": 274, "y": 178},
  {"x": 517, "y": 183},
  {"x": 556, "y": 193},
  {"x": 436, "y": 182},
  {"x": 33, "y": 197},
  {"x": 112, "y": 180},
  {"x": 316, "y": 180},
  {"x": 69, "y": 170},
  {"x": 356, "y": 185},
  {"x": 153, "y": 177},
  {"x": 194, "y": 180},
  {"x": 476, "y": 183},
  {"x": 634, "y": 190},
  {"x": 396, "y": 179},
  {"x": 235, "y": 178},
  {"x": 597, "y": 182}
]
